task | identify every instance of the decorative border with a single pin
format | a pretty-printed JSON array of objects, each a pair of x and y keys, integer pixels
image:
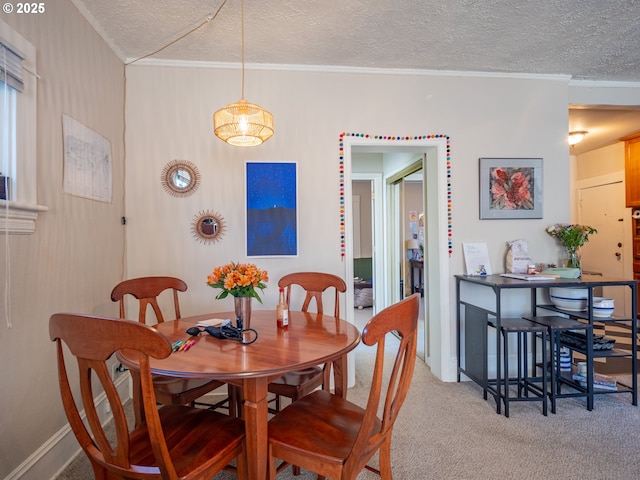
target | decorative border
[{"x": 385, "y": 137}]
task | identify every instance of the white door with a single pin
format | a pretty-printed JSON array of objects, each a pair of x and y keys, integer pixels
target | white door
[{"x": 602, "y": 207}]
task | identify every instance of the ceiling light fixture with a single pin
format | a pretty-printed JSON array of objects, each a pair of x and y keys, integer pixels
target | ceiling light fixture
[
  {"x": 243, "y": 124},
  {"x": 576, "y": 137}
]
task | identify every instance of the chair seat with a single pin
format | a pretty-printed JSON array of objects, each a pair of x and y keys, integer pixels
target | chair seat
[
  {"x": 326, "y": 434},
  {"x": 298, "y": 383},
  {"x": 186, "y": 436},
  {"x": 331, "y": 425},
  {"x": 181, "y": 391}
]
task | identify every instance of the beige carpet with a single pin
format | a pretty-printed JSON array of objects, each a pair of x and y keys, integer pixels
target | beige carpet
[{"x": 447, "y": 431}]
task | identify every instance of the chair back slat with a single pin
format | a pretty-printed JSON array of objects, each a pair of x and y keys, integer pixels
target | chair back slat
[
  {"x": 402, "y": 318},
  {"x": 93, "y": 340},
  {"x": 146, "y": 290},
  {"x": 314, "y": 284}
]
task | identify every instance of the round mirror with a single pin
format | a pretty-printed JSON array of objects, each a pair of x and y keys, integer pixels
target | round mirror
[
  {"x": 208, "y": 227},
  {"x": 180, "y": 178}
]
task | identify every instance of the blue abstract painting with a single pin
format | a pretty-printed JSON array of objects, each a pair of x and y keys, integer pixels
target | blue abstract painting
[{"x": 272, "y": 210}]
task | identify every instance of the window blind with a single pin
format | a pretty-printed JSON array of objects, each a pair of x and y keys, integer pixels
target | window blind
[{"x": 11, "y": 68}]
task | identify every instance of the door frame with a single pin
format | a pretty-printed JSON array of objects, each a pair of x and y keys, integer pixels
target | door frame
[
  {"x": 627, "y": 248},
  {"x": 440, "y": 332}
]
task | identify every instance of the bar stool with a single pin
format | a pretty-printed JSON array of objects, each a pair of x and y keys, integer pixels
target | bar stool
[
  {"x": 526, "y": 382},
  {"x": 556, "y": 325}
]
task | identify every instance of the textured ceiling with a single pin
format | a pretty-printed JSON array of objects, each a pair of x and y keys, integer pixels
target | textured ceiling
[
  {"x": 586, "y": 39},
  {"x": 595, "y": 40}
]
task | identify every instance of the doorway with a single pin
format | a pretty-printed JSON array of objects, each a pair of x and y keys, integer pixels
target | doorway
[
  {"x": 406, "y": 207},
  {"x": 391, "y": 155}
]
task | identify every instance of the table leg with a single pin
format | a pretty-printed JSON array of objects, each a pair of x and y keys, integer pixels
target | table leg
[
  {"x": 255, "y": 421},
  {"x": 340, "y": 376}
]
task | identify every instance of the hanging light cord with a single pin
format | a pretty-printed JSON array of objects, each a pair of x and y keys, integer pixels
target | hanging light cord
[
  {"x": 242, "y": 31},
  {"x": 208, "y": 18}
]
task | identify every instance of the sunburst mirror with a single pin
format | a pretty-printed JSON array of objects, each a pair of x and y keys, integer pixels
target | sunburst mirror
[
  {"x": 180, "y": 178},
  {"x": 208, "y": 227}
]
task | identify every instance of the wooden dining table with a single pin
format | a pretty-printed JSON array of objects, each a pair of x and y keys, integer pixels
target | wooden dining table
[{"x": 311, "y": 339}]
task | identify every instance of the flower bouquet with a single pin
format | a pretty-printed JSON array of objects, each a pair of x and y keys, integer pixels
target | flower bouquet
[
  {"x": 572, "y": 237},
  {"x": 238, "y": 280}
]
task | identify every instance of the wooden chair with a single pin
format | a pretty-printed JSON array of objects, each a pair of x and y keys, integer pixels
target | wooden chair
[
  {"x": 168, "y": 390},
  {"x": 333, "y": 437},
  {"x": 297, "y": 384},
  {"x": 174, "y": 442}
]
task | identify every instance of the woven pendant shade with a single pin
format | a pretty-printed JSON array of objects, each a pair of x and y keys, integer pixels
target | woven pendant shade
[{"x": 243, "y": 124}]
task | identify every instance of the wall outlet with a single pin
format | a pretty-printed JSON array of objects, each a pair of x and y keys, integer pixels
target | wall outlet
[{"x": 114, "y": 370}]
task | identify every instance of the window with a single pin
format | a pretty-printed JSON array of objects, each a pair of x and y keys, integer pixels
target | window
[
  {"x": 18, "y": 89},
  {"x": 7, "y": 130}
]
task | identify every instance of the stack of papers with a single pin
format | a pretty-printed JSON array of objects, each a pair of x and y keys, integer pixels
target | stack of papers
[
  {"x": 212, "y": 322},
  {"x": 525, "y": 276}
]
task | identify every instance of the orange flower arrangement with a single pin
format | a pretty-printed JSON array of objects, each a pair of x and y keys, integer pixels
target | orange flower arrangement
[{"x": 238, "y": 280}]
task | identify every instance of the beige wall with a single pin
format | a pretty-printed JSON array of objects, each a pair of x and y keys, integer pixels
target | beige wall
[
  {"x": 75, "y": 256},
  {"x": 602, "y": 161},
  {"x": 169, "y": 113}
]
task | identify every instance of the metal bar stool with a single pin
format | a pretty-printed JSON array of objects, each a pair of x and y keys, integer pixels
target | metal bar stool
[
  {"x": 526, "y": 380},
  {"x": 556, "y": 325}
]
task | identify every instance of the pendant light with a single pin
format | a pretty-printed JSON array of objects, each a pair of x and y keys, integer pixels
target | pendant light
[{"x": 243, "y": 124}]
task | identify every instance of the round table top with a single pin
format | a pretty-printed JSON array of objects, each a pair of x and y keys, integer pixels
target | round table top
[{"x": 309, "y": 340}]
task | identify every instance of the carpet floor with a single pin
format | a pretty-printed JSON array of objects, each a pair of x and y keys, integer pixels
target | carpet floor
[{"x": 447, "y": 431}]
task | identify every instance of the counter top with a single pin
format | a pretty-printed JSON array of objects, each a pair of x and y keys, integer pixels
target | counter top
[{"x": 506, "y": 282}]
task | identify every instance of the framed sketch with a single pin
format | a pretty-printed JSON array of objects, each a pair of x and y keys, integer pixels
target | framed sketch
[
  {"x": 87, "y": 162},
  {"x": 510, "y": 188},
  {"x": 271, "y": 209}
]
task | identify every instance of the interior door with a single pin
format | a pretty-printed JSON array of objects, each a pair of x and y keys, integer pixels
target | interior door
[
  {"x": 403, "y": 198},
  {"x": 395, "y": 267},
  {"x": 602, "y": 207}
]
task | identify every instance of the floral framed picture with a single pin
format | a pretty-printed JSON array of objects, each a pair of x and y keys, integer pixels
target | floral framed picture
[{"x": 510, "y": 188}]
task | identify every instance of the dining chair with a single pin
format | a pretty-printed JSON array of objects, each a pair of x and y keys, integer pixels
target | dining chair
[
  {"x": 335, "y": 438},
  {"x": 168, "y": 390},
  {"x": 173, "y": 442},
  {"x": 296, "y": 384}
]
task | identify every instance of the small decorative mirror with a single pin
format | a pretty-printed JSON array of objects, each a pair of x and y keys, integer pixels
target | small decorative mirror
[
  {"x": 180, "y": 178},
  {"x": 208, "y": 227}
]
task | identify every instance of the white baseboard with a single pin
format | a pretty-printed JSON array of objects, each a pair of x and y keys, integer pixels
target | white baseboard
[{"x": 61, "y": 449}]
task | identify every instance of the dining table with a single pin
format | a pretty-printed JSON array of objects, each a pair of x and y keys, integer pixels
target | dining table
[{"x": 310, "y": 339}]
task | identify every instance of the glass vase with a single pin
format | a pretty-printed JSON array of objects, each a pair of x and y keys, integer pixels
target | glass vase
[
  {"x": 573, "y": 259},
  {"x": 243, "y": 311}
]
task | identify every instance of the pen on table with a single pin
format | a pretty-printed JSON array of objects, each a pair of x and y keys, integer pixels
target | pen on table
[
  {"x": 186, "y": 345},
  {"x": 176, "y": 345}
]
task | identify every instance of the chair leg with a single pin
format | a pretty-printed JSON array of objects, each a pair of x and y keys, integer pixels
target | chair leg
[
  {"x": 385, "y": 459},
  {"x": 241, "y": 463},
  {"x": 272, "y": 465},
  {"x": 505, "y": 361},
  {"x": 232, "y": 392},
  {"x": 99, "y": 472}
]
